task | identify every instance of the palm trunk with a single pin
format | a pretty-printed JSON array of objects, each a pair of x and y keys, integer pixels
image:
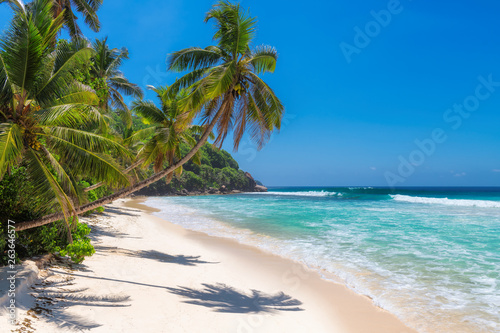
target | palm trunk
[
  {"x": 127, "y": 170},
  {"x": 131, "y": 189}
]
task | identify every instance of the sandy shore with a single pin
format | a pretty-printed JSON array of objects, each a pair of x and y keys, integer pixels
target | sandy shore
[{"x": 149, "y": 275}]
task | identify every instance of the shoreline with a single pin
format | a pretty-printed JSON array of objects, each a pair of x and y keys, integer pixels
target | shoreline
[
  {"x": 300, "y": 271},
  {"x": 152, "y": 275}
]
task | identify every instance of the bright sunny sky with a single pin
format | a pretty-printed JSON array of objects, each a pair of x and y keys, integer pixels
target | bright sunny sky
[{"x": 377, "y": 93}]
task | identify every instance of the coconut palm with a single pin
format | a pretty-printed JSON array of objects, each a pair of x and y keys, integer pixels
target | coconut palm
[
  {"x": 224, "y": 79},
  {"x": 43, "y": 108},
  {"x": 87, "y": 8},
  {"x": 224, "y": 88}
]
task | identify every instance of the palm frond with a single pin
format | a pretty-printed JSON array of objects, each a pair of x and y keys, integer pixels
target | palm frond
[
  {"x": 187, "y": 81},
  {"x": 149, "y": 111},
  {"x": 89, "y": 11},
  {"x": 141, "y": 135},
  {"x": 220, "y": 80},
  {"x": 88, "y": 141},
  {"x": 16, "y": 5},
  {"x": 235, "y": 29},
  {"x": 81, "y": 160},
  {"x": 65, "y": 181},
  {"x": 23, "y": 52},
  {"x": 66, "y": 57},
  {"x": 263, "y": 59},
  {"x": 45, "y": 184},
  {"x": 269, "y": 99},
  {"x": 70, "y": 115},
  {"x": 6, "y": 88},
  {"x": 11, "y": 146},
  {"x": 193, "y": 58},
  {"x": 123, "y": 85}
]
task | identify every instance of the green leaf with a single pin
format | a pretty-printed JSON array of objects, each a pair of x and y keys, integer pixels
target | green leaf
[{"x": 11, "y": 146}]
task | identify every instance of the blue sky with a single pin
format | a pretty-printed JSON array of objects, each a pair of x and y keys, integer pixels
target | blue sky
[{"x": 350, "y": 122}]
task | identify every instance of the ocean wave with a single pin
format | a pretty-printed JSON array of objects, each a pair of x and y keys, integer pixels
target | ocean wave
[
  {"x": 301, "y": 193},
  {"x": 448, "y": 202}
]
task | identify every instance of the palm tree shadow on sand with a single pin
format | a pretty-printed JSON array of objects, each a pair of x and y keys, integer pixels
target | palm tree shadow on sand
[
  {"x": 223, "y": 298},
  {"x": 179, "y": 259}
]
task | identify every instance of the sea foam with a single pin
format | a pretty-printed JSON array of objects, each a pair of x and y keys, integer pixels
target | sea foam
[
  {"x": 446, "y": 201},
  {"x": 301, "y": 193}
]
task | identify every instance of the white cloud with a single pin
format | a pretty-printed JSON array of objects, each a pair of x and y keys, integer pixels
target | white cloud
[{"x": 460, "y": 174}]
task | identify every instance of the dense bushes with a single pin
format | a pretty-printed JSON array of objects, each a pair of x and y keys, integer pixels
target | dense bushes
[
  {"x": 49, "y": 239},
  {"x": 17, "y": 204}
]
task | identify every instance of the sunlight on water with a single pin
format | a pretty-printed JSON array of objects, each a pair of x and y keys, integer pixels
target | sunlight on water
[{"x": 432, "y": 257}]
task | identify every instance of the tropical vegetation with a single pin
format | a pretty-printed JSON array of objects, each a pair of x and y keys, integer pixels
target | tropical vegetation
[{"x": 64, "y": 124}]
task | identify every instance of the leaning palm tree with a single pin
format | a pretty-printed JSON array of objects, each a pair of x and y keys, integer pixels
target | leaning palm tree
[
  {"x": 224, "y": 88},
  {"x": 43, "y": 108},
  {"x": 87, "y": 8},
  {"x": 224, "y": 79}
]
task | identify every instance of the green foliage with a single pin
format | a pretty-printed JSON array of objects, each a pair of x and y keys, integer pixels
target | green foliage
[
  {"x": 47, "y": 118},
  {"x": 81, "y": 247},
  {"x": 18, "y": 204},
  {"x": 16, "y": 200},
  {"x": 94, "y": 195},
  {"x": 217, "y": 168},
  {"x": 83, "y": 74},
  {"x": 49, "y": 239},
  {"x": 191, "y": 181}
]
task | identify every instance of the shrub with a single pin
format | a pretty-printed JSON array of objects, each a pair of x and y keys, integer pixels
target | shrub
[
  {"x": 191, "y": 181},
  {"x": 81, "y": 246}
]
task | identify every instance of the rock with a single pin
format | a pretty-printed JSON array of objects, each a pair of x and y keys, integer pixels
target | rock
[
  {"x": 260, "y": 188},
  {"x": 211, "y": 190},
  {"x": 236, "y": 191},
  {"x": 223, "y": 188},
  {"x": 251, "y": 183}
]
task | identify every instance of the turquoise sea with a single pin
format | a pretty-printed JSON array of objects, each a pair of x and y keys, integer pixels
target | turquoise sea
[{"x": 429, "y": 255}]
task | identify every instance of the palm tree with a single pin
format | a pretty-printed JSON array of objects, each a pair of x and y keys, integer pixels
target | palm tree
[
  {"x": 223, "y": 88},
  {"x": 43, "y": 108},
  {"x": 88, "y": 9},
  {"x": 224, "y": 79},
  {"x": 106, "y": 69}
]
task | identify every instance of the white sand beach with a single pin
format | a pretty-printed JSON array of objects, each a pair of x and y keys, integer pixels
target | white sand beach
[{"x": 149, "y": 275}]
